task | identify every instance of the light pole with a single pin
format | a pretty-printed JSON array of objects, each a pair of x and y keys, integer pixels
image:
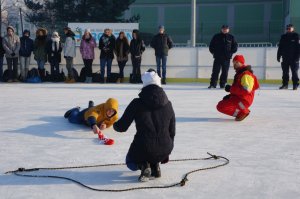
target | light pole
[
  {"x": 193, "y": 24},
  {"x": 17, "y": 4}
]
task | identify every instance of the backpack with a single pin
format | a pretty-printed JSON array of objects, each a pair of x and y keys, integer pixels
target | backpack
[
  {"x": 33, "y": 76},
  {"x": 82, "y": 75},
  {"x": 75, "y": 74},
  {"x": 97, "y": 77},
  {"x": 113, "y": 78}
]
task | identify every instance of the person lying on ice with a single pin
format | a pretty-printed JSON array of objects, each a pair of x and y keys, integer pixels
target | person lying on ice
[
  {"x": 155, "y": 128},
  {"x": 97, "y": 117},
  {"x": 242, "y": 91}
]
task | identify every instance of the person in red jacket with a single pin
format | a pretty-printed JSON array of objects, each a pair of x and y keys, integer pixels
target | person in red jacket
[{"x": 242, "y": 91}]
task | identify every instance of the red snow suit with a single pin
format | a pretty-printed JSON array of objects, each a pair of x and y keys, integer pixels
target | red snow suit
[{"x": 241, "y": 93}]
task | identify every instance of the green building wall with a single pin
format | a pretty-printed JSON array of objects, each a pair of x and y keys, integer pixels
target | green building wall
[{"x": 250, "y": 21}]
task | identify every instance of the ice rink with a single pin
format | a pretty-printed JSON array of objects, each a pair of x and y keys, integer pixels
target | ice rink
[{"x": 264, "y": 149}]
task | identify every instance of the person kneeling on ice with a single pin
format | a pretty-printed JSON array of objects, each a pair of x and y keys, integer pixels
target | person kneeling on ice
[
  {"x": 97, "y": 117},
  {"x": 242, "y": 91},
  {"x": 155, "y": 128}
]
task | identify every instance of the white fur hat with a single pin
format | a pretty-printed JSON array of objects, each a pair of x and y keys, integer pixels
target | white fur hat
[{"x": 151, "y": 77}]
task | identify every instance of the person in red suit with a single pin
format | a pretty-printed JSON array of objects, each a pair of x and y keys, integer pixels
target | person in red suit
[{"x": 242, "y": 91}]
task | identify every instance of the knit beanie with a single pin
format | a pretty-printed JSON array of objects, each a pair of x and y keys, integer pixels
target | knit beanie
[
  {"x": 239, "y": 58},
  {"x": 10, "y": 27},
  {"x": 151, "y": 77}
]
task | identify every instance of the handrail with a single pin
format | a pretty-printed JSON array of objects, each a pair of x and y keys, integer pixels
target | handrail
[{"x": 247, "y": 45}]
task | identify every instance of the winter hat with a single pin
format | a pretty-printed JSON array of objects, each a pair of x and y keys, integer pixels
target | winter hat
[
  {"x": 26, "y": 31},
  {"x": 239, "y": 58},
  {"x": 151, "y": 77},
  {"x": 290, "y": 26},
  {"x": 55, "y": 34},
  {"x": 161, "y": 27},
  {"x": 225, "y": 26},
  {"x": 10, "y": 27},
  {"x": 87, "y": 30}
]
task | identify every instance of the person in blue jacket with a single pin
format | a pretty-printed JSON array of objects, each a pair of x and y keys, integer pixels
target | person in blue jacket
[{"x": 25, "y": 53}]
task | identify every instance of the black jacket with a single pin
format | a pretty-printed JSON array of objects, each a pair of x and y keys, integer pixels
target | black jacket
[
  {"x": 288, "y": 47},
  {"x": 222, "y": 46},
  {"x": 161, "y": 44},
  {"x": 155, "y": 124},
  {"x": 107, "y": 46},
  {"x": 53, "y": 54},
  {"x": 26, "y": 47},
  {"x": 2, "y": 51},
  {"x": 137, "y": 47}
]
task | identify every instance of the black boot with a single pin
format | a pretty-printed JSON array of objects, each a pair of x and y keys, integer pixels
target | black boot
[
  {"x": 295, "y": 86},
  {"x": 145, "y": 172},
  {"x": 155, "y": 170},
  {"x": 91, "y": 104},
  {"x": 163, "y": 81},
  {"x": 211, "y": 86},
  {"x": 283, "y": 87},
  {"x": 68, "y": 113}
]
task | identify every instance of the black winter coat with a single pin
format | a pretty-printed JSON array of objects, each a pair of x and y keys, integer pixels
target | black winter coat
[
  {"x": 222, "y": 46},
  {"x": 53, "y": 55},
  {"x": 161, "y": 44},
  {"x": 2, "y": 51},
  {"x": 107, "y": 46},
  {"x": 155, "y": 124},
  {"x": 288, "y": 47},
  {"x": 137, "y": 47},
  {"x": 26, "y": 47}
]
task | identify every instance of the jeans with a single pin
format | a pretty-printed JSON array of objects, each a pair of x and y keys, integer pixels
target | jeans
[
  {"x": 1, "y": 68},
  {"x": 218, "y": 64},
  {"x": 122, "y": 65},
  {"x": 88, "y": 63},
  {"x": 103, "y": 63},
  {"x": 161, "y": 62},
  {"x": 41, "y": 64},
  {"x": 12, "y": 66},
  {"x": 285, "y": 65},
  {"x": 77, "y": 116},
  {"x": 69, "y": 65},
  {"x": 24, "y": 66}
]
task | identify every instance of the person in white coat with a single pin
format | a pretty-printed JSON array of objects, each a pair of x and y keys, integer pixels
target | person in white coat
[{"x": 69, "y": 53}]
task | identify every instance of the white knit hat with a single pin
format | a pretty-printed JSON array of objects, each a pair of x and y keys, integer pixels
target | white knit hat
[
  {"x": 151, "y": 77},
  {"x": 55, "y": 34}
]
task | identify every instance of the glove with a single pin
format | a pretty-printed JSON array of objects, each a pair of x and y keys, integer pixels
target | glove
[
  {"x": 226, "y": 97},
  {"x": 227, "y": 88},
  {"x": 13, "y": 54},
  {"x": 101, "y": 136},
  {"x": 278, "y": 59},
  {"x": 165, "y": 160}
]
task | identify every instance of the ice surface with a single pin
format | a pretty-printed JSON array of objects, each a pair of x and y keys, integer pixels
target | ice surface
[{"x": 264, "y": 149}]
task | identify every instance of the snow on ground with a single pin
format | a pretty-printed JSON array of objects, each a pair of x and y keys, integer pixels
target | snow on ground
[{"x": 264, "y": 149}]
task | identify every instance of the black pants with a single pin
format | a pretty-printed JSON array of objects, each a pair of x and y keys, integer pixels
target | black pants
[
  {"x": 12, "y": 66},
  {"x": 88, "y": 63},
  {"x": 121, "y": 65},
  {"x": 218, "y": 65},
  {"x": 136, "y": 69},
  {"x": 54, "y": 63},
  {"x": 286, "y": 65}
]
